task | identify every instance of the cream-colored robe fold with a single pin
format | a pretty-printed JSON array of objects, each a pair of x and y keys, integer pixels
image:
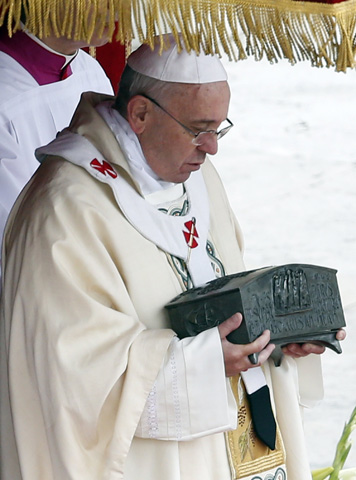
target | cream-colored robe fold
[{"x": 84, "y": 333}]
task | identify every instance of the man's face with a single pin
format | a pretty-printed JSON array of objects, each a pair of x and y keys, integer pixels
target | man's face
[{"x": 167, "y": 146}]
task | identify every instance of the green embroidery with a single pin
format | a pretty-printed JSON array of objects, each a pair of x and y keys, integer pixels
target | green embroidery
[{"x": 175, "y": 210}]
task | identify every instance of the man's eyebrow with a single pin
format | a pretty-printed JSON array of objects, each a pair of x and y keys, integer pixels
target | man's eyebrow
[{"x": 205, "y": 121}]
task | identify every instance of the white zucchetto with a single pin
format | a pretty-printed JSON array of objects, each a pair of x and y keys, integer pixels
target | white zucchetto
[{"x": 173, "y": 65}]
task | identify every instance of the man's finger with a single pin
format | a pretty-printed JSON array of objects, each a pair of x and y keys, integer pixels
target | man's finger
[
  {"x": 259, "y": 344},
  {"x": 230, "y": 325}
]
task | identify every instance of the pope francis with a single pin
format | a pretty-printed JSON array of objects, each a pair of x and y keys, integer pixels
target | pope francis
[{"x": 125, "y": 212}]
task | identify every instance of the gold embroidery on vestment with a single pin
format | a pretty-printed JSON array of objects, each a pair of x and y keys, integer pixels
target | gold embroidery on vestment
[{"x": 247, "y": 454}]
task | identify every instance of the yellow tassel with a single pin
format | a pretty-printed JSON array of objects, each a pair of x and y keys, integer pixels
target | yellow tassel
[
  {"x": 92, "y": 52},
  {"x": 322, "y": 33}
]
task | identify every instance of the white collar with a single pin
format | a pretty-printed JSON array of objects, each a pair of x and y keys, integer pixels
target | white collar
[{"x": 147, "y": 179}]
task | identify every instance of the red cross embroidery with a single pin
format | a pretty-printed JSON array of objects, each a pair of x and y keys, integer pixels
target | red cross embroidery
[
  {"x": 191, "y": 233},
  {"x": 103, "y": 167}
]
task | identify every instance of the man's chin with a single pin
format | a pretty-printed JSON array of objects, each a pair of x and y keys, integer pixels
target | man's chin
[
  {"x": 181, "y": 178},
  {"x": 195, "y": 166}
]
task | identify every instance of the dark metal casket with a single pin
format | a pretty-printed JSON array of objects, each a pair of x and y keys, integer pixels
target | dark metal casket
[{"x": 298, "y": 303}]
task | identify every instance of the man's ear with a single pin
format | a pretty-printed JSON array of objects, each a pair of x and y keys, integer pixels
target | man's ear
[{"x": 138, "y": 109}]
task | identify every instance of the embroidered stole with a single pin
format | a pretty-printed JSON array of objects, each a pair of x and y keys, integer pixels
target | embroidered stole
[{"x": 184, "y": 237}]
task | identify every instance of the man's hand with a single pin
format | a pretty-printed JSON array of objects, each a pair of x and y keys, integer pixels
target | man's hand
[
  {"x": 236, "y": 356},
  {"x": 297, "y": 350}
]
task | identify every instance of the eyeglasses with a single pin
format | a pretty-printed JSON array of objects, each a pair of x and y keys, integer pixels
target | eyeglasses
[{"x": 199, "y": 137}]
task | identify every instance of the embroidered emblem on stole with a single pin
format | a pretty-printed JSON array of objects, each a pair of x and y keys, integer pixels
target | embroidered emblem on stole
[
  {"x": 178, "y": 265},
  {"x": 191, "y": 234},
  {"x": 103, "y": 167}
]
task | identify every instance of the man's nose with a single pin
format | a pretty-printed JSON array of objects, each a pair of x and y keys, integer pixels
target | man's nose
[{"x": 210, "y": 145}]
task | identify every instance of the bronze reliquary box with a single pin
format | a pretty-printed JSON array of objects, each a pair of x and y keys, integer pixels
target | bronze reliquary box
[{"x": 298, "y": 303}]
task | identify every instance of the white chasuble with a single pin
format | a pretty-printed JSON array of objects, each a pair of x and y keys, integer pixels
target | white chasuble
[
  {"x": 184, "y": 237},
  {"x": 203, "y": 457}
]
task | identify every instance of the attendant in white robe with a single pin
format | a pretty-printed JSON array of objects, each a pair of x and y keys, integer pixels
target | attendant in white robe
[
  {"x": 41, "y": 82},
  {"x": 94, "y": 383}
]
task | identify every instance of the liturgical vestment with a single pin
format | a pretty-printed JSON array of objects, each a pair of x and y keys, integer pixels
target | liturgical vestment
[{"x": 84, "y": 333}]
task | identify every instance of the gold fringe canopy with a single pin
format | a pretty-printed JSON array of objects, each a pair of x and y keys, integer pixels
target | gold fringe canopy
[
  {"x": 323, "y": 33},
  {"x": 77, "y": 19}
]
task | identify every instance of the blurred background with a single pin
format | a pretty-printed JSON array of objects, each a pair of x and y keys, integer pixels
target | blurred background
[{"x": 289, "y": 166}]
